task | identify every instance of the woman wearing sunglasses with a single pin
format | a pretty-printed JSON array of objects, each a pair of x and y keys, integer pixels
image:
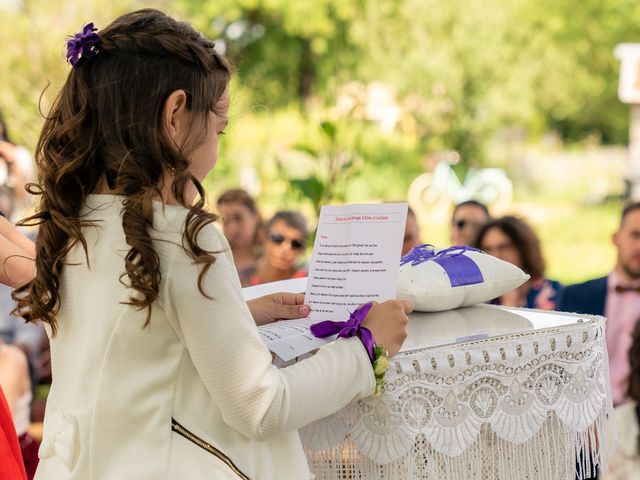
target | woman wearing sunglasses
[
  {"x": 466, "y": 220},
  {"x": 286, "y": 240}
]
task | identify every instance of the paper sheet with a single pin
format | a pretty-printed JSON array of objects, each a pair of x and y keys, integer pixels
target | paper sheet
[
  {"x": 355, "y": 259},
  {"x": 291, "y": 338}
]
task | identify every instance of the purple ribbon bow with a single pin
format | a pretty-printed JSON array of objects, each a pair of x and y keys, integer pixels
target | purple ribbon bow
[
  {"x": 348, "y": 329},
  {"x": 460, "y": 269},
  {"x": 83, "y": 44}
]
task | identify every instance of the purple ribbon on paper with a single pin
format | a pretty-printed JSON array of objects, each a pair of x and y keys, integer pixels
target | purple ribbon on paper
[
  {"x": 460, "y": 269},
  {"x": 348, "y": 329}
]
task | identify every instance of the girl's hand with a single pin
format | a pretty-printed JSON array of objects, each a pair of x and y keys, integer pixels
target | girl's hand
[
  {"x": 278, "y": 306},
  {"x": 388, "y": 323}
]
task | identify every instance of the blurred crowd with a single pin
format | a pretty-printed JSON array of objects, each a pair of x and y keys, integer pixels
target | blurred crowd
[{"x": 275, "y": 249}]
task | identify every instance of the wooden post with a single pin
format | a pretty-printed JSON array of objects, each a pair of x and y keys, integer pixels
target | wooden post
[
  {"x": 629, "y": 93},
  {"x": 634, "y": 151}
]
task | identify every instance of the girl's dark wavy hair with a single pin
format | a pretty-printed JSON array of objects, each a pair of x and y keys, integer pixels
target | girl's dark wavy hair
[{"x": 105, "y": 128}]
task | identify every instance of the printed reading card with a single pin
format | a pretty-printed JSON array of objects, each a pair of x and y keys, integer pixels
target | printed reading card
[{"x": 356, "y": 256}]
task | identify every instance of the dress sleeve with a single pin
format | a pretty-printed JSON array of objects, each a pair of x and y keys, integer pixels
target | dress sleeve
[{"x": 254, "y": 397}]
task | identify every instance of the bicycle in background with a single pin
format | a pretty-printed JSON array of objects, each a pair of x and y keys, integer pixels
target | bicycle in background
[{"x": 441, "y": 188}]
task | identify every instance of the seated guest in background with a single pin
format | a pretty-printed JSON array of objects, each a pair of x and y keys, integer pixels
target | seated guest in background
[
  {"x": 466, "y": 220},
  {"x": 11, "y": 466},
  {"x": 616, "y": 296},
  {"x": 286, "y": 240},
  {"x": 242, "y": 226},
  {"x": 16, "y": 385},
  {"x": 17, "y": 253},
  {"x": 411, "y": 232},
  {"x": 512, "y": 240},
  {"x": 29, "y": 337},
  {"x": 16, "y": 257},
  {"x": 624, "y": 464},
  {"x": 16, "y": 170}
]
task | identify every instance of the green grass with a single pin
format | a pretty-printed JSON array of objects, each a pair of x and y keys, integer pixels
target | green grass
[{"x": 577, "y": 240}]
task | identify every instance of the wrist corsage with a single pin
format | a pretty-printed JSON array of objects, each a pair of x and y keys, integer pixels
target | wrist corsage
[
  {"x": 380, "y": 367},
  {"x": 353, "y": 327}
]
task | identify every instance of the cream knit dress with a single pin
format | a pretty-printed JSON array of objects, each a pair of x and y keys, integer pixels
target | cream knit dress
[{"x": 117, "y": 386}]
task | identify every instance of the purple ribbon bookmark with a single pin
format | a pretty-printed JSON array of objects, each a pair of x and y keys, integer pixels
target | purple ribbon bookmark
[
  {"x": 348, "y": 329},
  {"x": 460, "y": 269}
]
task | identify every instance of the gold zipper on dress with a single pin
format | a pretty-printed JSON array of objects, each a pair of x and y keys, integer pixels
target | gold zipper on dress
[{"x": 180, "y": 430}]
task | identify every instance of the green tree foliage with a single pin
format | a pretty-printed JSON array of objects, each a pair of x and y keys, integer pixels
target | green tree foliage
[
  {"x": 285, "y": 50},
  {"x": 463, "y": 70},
  {"x": 473, "y": 68},
  {"x": 577, "y": 77},
  {"x": 32, "y": 34}
]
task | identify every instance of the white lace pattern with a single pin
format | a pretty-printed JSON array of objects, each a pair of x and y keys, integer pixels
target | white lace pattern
[{"x": 511, "y": 407}]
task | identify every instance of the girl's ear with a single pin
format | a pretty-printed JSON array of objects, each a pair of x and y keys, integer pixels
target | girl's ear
[{"x": 175, "y": 117}]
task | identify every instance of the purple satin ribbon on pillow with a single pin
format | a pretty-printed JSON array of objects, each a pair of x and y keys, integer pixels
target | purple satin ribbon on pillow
[
  {"x": 348, "y": 329},
  {"x": 460, "y": 269}
]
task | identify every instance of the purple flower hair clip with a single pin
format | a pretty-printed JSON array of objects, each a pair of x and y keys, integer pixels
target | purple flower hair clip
[{"x": 83, "y": 44}]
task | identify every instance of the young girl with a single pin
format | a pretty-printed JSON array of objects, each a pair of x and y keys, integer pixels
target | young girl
[{"x": 158, "y": 368}]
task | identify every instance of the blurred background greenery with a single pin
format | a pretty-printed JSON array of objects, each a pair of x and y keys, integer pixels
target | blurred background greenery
[{"x": 348, "y": 100}]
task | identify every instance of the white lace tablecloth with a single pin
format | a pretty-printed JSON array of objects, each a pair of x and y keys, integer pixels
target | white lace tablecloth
[{"x": 518, "y": 405}]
